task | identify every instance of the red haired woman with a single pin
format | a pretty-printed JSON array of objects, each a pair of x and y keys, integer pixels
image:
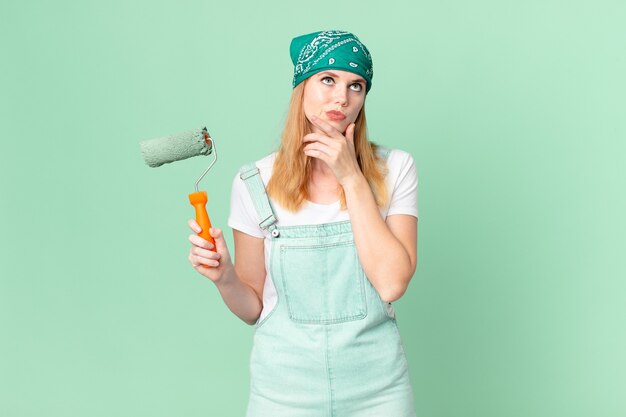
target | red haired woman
[{"x": 325, "y": 233}]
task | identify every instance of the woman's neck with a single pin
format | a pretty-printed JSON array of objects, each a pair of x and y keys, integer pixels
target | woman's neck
[
  {"x": 323, "y": 186},
  {"x": 321, "y": 173}
]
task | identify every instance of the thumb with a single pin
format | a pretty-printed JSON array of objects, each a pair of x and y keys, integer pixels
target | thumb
[
  {"x": 218, "y": 236},
  {"x": 350, "y": 133}
]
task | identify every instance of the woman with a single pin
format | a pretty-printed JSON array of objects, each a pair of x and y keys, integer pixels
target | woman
[{"x": 325, "y": 233}]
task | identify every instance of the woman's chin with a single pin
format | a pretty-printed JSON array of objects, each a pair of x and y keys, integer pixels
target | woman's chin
[{"x": 340, "y": 125}]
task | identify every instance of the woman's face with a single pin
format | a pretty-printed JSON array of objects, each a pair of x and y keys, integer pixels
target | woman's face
[{"x": 334, "y": 96}]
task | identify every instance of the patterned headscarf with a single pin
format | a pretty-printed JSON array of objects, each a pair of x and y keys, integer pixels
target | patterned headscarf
[{"x": 331, "y": 49}]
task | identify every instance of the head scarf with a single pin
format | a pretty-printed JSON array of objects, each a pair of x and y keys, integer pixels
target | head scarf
[{"x": 327, "y": 50}]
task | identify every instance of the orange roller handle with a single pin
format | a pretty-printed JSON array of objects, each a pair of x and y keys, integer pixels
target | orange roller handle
[{"x": 198, "y": 200}]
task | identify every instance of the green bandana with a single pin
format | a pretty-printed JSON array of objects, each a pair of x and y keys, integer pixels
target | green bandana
[{"x": 331, "y": 49}]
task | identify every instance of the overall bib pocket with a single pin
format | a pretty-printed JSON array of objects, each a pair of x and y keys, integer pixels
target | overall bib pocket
[{"x": 323, "y": 284}]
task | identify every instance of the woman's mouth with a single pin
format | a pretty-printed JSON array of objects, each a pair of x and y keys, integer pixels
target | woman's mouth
[{"x": 335, "y": 115}]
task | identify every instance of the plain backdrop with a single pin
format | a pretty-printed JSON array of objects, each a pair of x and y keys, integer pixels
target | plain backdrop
[{"x": 515, "y": 113}]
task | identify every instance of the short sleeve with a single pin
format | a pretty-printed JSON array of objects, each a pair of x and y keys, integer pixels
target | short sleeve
[
  {"x": 243, "y": 215},
  {"x": 403, "y": 199}
]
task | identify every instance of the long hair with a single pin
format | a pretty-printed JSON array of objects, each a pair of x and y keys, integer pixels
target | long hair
[{"x": 292, "y": 168}]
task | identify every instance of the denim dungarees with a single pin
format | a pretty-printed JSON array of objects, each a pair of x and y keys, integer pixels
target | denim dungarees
[{"x": 330, "y": 347}]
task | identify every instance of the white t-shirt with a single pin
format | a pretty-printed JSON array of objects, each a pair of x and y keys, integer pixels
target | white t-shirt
[{"x": 401, "y": 182}]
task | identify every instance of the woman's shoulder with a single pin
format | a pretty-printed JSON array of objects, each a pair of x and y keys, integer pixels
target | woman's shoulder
[
  {"x": 264, "y": 165},
  {"x": 394, "y": 156},
  {"x": 267, "y": 162}
]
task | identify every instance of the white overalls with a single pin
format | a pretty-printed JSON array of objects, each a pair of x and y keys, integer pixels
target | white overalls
[{"x": 330, "y": 347}]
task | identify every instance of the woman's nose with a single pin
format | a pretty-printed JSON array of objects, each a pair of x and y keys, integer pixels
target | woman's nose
[{"x": 341, "y": 96}]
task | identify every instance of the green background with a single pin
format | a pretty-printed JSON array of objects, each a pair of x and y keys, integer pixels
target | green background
[{"x": 514, "y": 111}]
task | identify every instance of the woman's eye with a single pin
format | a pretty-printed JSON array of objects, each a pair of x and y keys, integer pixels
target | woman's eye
[
  {"x": 357, "y": 87},
  {"x": 330, "y": 80}
]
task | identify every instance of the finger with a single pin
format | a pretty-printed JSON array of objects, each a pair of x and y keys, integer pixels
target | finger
[
  {"x": 193, "y": 225},
  {"x": 316, "y": 153},
  {"x": 350, "y": 133},
  {"x": 205, "y": 253},
  {"x": 198, "y": 241},
  {"x": 316, "y": 137},
  {"x": 326, "y": 127},
  {"x": 218, "y": 236},
  {"x": 320, "y": 147},
  {"x": 199, "y": 262}
]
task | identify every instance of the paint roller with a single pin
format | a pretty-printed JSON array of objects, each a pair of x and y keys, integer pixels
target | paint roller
[{"x": 163, "y": 150}]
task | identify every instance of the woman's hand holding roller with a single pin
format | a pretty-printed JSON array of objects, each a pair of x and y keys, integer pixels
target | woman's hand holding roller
[
  {"x": 216, "y": 265},
  {"x": 207, "y": 260}
]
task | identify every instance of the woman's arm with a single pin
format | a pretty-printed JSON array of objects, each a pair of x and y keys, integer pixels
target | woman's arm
[
  {"x": 387, "y": 250},
  {"x": 241, "y": 284}
]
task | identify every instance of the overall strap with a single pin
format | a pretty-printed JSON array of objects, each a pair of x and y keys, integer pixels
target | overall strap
[{"x": 252, "y": 178}]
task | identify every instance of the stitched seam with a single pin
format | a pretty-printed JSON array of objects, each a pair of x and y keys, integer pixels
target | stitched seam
[
  {"x": 320, "y": 246},
  {"x": 329, "y": 371},
  {"x": 272, "y": 256}
]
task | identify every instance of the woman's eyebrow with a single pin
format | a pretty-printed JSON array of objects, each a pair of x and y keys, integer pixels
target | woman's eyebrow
[{"x": 332, "y": 74}]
